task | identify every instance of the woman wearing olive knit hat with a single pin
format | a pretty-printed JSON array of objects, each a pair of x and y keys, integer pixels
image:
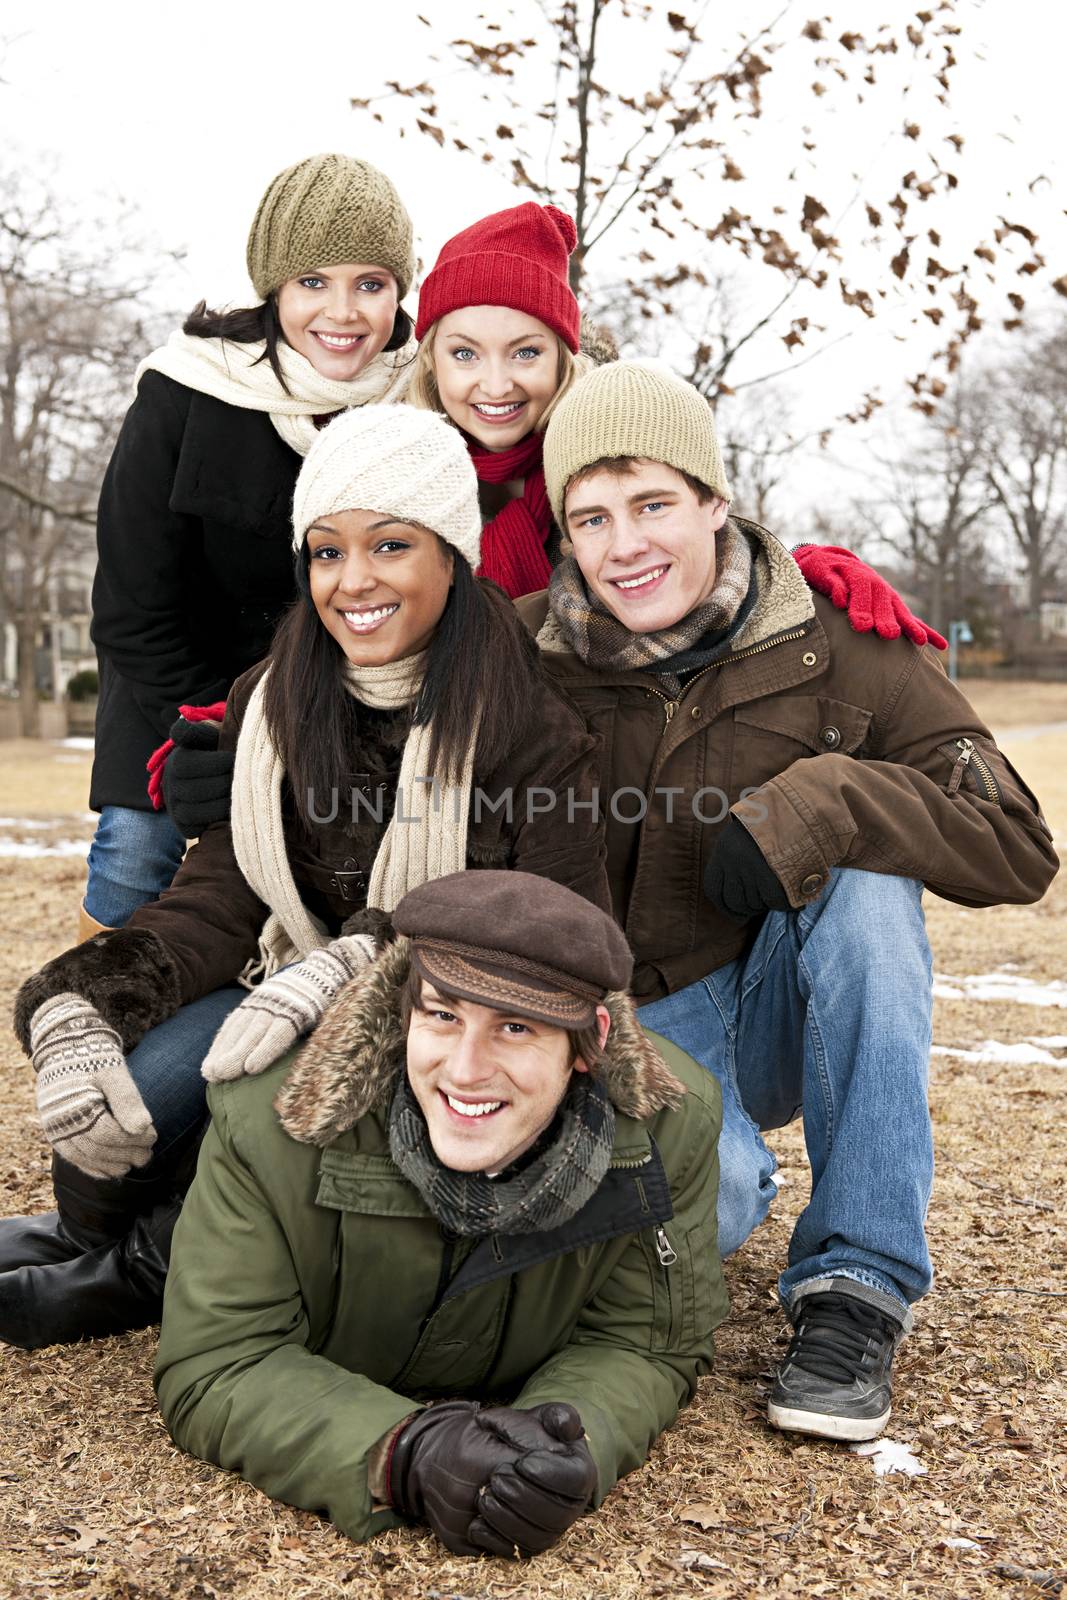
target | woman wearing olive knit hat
[
  {"x": 194, "y": 562},
  {"x": 400, "y": 730}
]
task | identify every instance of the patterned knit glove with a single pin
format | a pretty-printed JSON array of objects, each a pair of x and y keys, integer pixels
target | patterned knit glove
[
  {"x": 91, "y": 1111},
  {"x": 284, "y": 1008}
]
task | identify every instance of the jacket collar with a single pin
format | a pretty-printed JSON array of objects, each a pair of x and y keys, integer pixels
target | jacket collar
[
  {"x": 783, "y": 605},
  {"x": 633, "y": 1195},
  {"x": 350, "y": 1064}
]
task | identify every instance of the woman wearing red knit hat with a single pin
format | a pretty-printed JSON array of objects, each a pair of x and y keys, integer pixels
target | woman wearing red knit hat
[{"x": 498, "y": 331}]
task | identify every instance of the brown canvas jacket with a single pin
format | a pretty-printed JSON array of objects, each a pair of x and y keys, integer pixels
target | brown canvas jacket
[
  {"x": 202, "y": 931},
  {"x": 862, "y": 751}
]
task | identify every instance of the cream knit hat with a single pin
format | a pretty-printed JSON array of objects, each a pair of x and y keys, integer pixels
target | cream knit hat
[
  {"x": 326, "y": 210},
  {"x": 628, "y": 408},
  {"x": 403, "y": 463}
]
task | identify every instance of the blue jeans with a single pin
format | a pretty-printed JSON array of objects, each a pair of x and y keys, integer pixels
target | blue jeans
[
  {"x": 165, "y": 1066},
  {"x": 828, "y": 1016},
  {"x": 132, "y": 859}
]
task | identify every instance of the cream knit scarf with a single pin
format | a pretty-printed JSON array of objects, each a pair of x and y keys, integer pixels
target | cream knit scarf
[
  {"x": 426, "y": 839},
  {"x": 235, "y": 373}
]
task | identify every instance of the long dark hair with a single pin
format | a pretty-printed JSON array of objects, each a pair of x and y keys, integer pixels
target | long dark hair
[
  {"x": 250, "y": 324},
  {"x": 481, "y": 660}
]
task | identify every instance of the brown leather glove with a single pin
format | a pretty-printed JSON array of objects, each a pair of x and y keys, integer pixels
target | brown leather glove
[
  {"x": 531, "y": 1503},
  {"x": 446, "y": 1455}
]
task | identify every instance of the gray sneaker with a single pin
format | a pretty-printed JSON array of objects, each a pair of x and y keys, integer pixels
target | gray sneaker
[{"x": 835, "y": 1380}]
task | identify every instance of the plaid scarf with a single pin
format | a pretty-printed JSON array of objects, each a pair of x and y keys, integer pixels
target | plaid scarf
[
  {"x": 598, "y": 638},
  {"x": 534, "y": 1198}
]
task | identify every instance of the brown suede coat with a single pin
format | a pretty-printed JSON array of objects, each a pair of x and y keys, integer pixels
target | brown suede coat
[
  {"x": 863, "y": 753},
  {"x": 201, "y": 932}
]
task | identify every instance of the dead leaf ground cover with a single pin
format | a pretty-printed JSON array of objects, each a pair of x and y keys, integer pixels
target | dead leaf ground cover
[{"x": 96, "y": 1502}]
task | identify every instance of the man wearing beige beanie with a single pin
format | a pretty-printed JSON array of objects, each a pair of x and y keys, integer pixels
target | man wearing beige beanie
[{"x": 778, "y": 789}]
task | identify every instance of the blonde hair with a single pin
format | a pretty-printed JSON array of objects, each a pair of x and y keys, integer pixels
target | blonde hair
[{"x": 423, "y": 393}]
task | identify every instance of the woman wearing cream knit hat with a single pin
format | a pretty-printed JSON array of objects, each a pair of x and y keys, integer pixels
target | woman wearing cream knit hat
[
  {"x": 400, "y": 730},
  {"x": 194, "y": 566}
]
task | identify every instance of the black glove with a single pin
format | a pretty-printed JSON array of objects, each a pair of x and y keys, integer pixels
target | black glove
[
  {"x": 737, "y": 880},
  {"x": 448, "y": 1452},
  {"x": 530, "y": 1504},
  {"x": 197, "y": 778}
]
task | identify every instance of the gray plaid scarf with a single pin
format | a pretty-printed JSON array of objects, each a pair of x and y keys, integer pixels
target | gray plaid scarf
[
  {"x": 535, "y": 1198},
  {"x": 598, "y": 638}
]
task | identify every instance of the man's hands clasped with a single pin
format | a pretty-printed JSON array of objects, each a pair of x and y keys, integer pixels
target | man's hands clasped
[{"x": 495, "y": 1480}]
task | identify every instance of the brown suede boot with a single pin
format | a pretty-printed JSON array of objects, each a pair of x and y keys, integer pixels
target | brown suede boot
[{"x": 88, "y": 926}]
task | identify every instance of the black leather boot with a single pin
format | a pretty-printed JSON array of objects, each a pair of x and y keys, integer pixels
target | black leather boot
[
  {"x": 112, "y": 1289},
  {"x": 116, "y": 1286},
  {"x": 92, "y": 1212}
]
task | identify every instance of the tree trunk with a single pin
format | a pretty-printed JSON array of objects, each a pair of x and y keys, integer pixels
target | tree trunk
[{"x": 29, "y": 710}]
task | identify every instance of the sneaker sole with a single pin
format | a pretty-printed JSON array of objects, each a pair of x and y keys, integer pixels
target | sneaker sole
[{"x": 825, "y": 1425}]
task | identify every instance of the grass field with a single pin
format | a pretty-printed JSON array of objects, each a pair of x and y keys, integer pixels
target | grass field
[{"x": 96, "y": 1501}]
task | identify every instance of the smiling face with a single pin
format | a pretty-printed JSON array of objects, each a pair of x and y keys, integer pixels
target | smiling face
[
  {"x": 487, "y": 1082},
  {"x": 496, "y": 371},
  {"x": 379, "y": 586},
  {"x": 644, "y": 542},
  {"x": 339, "y": 318}
]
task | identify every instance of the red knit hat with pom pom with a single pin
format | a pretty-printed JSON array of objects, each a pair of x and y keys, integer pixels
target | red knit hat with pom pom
[{"x": 515, "y": 258}]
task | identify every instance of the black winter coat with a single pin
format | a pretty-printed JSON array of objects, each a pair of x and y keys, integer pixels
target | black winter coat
[{"x": 195, "y": 566}]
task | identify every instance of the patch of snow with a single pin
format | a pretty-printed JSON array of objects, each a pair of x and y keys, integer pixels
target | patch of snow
[
  {"x": 1018, "y": 1055},
  {"x": 1004, "y": 984},
  {"x": 888, "y": 1455},
  {"x": 27, "y": 852},
  {"x": 1051, "y": 1041},
  {"x": 57, "y": 821}
]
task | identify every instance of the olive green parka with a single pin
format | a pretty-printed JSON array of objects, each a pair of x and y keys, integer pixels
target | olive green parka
[{"x": 313, "y": 1300}]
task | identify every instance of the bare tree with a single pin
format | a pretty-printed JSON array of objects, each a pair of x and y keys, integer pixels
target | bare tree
[
  {"x": 1027, "y": 463},
  {"x": 626, "y": 110},
  {"x": 938, "y": 488},
  {"x": 70, "y": 335}
]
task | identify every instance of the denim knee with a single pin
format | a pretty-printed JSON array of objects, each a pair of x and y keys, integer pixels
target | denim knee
[{"x": 133, "y": 858}]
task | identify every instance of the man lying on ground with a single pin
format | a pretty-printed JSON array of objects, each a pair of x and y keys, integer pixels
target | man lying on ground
[
  {"x": 455, "y": 1259},
  {"x": 778, "y": 789}
]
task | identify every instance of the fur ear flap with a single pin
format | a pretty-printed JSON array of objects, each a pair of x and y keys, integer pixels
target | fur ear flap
[
  {"x": 351, "y": 1062},
  {"x": 635, "y": 1075}
]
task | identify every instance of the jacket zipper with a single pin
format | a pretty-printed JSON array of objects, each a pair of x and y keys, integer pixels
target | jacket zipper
[
  {"x": 970, "y": 757},
  {"x": 768, "y": 644},
  {"x": 666, "y": 1254},
  {"x": 671, "y": 706}
]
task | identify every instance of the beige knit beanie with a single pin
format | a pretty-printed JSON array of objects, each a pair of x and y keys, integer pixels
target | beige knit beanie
[
  {"x": 326, "y": 210},
  {"x": 403, "y": 463},
  {"x": 627, "y": 408}
]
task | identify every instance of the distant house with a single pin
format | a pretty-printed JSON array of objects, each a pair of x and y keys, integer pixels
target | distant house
[{"x": 1053, "y": 621}]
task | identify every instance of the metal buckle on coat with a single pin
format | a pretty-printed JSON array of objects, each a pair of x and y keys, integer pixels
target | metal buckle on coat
[{"x": 348, "y": 882}]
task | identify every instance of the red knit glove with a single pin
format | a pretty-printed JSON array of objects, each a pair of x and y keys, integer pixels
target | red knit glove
[
  {"x": 158, "y": 759},
  {"x": 848, "y": 582}
]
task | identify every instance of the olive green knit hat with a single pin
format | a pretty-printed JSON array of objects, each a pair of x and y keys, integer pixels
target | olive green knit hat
[
  {"x": 626, "y": 408},
  {"x": 326, "y": 210}
]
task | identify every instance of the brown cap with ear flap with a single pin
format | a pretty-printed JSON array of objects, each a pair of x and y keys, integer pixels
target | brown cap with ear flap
[{"x": 517, "y": 943}]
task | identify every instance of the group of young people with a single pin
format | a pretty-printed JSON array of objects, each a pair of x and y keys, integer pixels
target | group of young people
[{"x": 555, "y": 842}]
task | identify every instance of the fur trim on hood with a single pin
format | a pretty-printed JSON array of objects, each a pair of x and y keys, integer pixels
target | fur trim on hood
[{"x": 351, "y": 1062}]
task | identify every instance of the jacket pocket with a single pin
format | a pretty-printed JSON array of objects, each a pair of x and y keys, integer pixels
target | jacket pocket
[
  {"x": 817, "y": 723},
  {"x": 665, "y": 1277}
]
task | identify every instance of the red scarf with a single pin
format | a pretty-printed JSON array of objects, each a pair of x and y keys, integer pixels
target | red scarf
[{"x": 513, "y": 543}]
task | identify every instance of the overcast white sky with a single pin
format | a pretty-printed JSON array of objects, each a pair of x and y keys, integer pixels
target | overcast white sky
[{"x": 188, "y": 110}]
